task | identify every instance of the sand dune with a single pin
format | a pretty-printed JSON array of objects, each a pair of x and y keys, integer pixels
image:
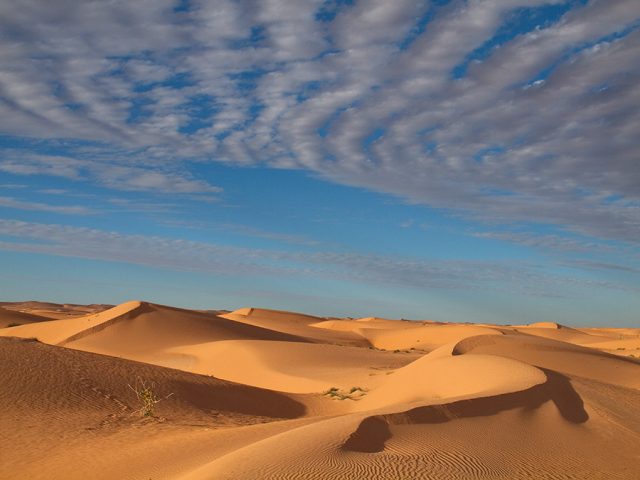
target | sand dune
[
  {"x": 295, "y": 324},
  {"x": 430, "y": 380},
  {"x": 55, "y": 400},
  {"x": 259, "y": 393},
  {"x": 563, "y": 333},
  {"x": 519, "y": 435},
  {"x": 558, "y": 356},
  {"x": 138, "y": 326},
  {"x": 13, "y": 318},
  {"x": 54, "y": 310},
  {"x": 424, "y": 337},
  {"x": 292, "y": 367}
]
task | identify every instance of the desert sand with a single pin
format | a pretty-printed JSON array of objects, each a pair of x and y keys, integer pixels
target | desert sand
[{"x": 265, "y": 394}]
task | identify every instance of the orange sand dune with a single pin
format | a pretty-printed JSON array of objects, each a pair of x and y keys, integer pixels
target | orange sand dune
[
  {"x": 71, "y": 415},
  {"x": 15, "y": 318},
  {"x": 54, "y": 310},
  {"x": 360, "y": 324},
  {"x": 424, "y": 337},
  {"x": 556, "y": 331},
  {"x": 265, "y": 394},
  {"x": 291, "y": 367},
  {"x": 209, "y": 344},
  {"x": 400, "y": 335},
  {"x": 613, "y": 332},
  {"x": 541, "y": 432},
  {"x": 139, "y": 326},
  {"x": 558, "y": 356},
  {"x": 294, "y": 324},
  {"x": 431, "y": 380}
]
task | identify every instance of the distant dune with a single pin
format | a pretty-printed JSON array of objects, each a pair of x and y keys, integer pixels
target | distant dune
[
  {"x": 53, "y": 310},
  {"x": 258, "y": 393},
  {"x": 13, "y": 318}
]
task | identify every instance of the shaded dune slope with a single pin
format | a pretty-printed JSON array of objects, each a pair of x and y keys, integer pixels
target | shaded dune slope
[
  {"x": 60, "y": 407},
  {"x": 374, "y": 431},
  {"x": 15, "y": 318},
  {"x": 70, "y": 376}
]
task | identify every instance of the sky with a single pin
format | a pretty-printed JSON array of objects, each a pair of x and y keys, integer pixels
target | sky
[{"x": 465, "y": 161}]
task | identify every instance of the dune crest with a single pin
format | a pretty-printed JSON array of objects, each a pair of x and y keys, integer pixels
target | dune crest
[
  {"x": 57, "y": 332},
  {"x": 449, "y": 378}
]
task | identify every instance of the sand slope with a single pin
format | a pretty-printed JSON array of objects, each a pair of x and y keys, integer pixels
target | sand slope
[
  {"x": 55, "y": 400},
  {"x": 15, "y": 318},
  {"x": 54, "y": 310},
  {"x": 295, "y": 324},
  {"x": 558, "y": 356},
  {"x": 259, "y": 393}
]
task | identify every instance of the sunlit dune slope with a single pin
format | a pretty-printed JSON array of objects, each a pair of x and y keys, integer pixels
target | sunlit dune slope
[
  {"x": 562, "y": 333},
  {"x": 558, "y": 356},
  {"x": 430, "y": 380},
  {"x": 295, "y": 324},
  {"x": 291, "y": 367}
]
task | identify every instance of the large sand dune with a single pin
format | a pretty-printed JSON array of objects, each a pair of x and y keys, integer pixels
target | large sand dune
[{"x": 259, "y": 393}]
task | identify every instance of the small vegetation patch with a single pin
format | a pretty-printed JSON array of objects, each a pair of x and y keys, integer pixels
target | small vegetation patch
[
  {"x": 353, "y": 393},
  {"x": 145, "y": 392}
]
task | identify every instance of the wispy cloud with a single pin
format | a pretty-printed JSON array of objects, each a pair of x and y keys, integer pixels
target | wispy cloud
[
  {"x": 593, "y": 265},
  {"x": 267, "y": 235},
  {"x": 462, "y": 106},
  {"x": 545, "y": 241},
  {"x": 177, "y": 254},
  {"x": 10, "y": 202},
  {"x": 130, "y": 175}
]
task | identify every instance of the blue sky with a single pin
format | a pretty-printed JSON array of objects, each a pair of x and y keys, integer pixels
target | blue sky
[{"x": 453, "y": 160}]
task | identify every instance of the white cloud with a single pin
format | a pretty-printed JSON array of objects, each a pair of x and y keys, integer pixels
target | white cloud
[
  {"x": 498, "y": 145},
  {"x": 110, "y": 173}
]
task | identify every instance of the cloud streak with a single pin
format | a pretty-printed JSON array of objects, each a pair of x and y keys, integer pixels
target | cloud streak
[
  {"x": 9, "y": 202},
  {"x": 217, "y": 259}
]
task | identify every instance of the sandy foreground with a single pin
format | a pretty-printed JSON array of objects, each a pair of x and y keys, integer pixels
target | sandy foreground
[{"x": 263, "y": 394}]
